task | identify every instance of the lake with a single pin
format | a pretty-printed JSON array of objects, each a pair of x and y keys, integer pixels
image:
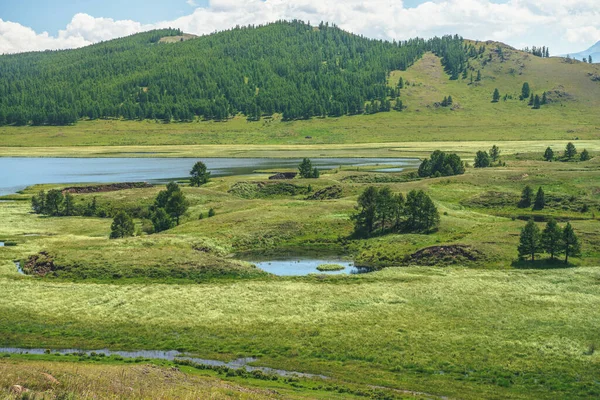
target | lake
[{"x": 20, "y": 172}]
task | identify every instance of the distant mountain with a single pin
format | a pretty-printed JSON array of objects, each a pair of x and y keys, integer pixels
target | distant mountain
[{"x": 593, "y": 51}]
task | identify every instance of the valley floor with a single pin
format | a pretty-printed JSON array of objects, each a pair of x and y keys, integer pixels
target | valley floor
[{"x": 489, "y": 328}]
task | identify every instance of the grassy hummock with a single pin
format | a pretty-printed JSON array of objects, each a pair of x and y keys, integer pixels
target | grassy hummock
[{"x": 330, "y": 267}]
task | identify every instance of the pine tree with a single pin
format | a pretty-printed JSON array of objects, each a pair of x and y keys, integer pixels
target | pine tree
[
  {"x": 531, "y": 99},
  {"x": 570, "y": 151},
  {"x": 544, "y": 99},
  {"x": 496, "y": 96},
  {"x": 482, "y": 160},
  {"x": 495, "y": 153},
  {"x": 571, "y": 245},
  {"x": 526, "y": 197},
  {"x": 177, "y": 206},
  {"x": 122, "y": 226},
  {"x": 161, "y": 220},
  {"x": 211, "y": 213},
  {"x": 69, "y": 207},
  {"x": 530, "y": 241},
  {"x": 549, "y": 154},
  {"x": 305, "y": 168},
  {"x": 536, "y": 102},
  {"x": 590, "y": 59},
  {"x": 525, "y": 91},
  {"x": 552, "y": 239},
  {"x": 199, "y": 174},
  {"x": 367, "y": 205},
  {"x": 540, "y": 200},
  {"x": 585, "y": 155}
]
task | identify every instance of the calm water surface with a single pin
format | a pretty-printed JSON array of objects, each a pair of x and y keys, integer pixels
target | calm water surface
[{"x": 16, "y": 173}]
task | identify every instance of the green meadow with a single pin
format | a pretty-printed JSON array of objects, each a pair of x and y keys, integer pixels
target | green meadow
[{"x": 486, "y": 327}]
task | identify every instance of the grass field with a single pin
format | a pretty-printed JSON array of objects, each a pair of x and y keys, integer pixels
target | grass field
[{"x": 489, "y": 328}]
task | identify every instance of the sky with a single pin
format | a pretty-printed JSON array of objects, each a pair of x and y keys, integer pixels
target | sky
[{"x": 565, "y": 26}]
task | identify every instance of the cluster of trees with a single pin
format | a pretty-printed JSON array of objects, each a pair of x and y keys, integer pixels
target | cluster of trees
[
  {"x": 585, "y": 60},
  {"x": 307, "y": 171},
  {"x": 527, "y": 200},
  {"x": 553, "y": 240},
  {"x": 484, "y": 160},
  {"x": 568, "y": 155},
  {"x": 287, "y": 67},
  {"x": 538, "y": 51},
  {"x": 441, "y": 164},
  {"x": 58, "y": 204},
  {"x": 380, "y": 210},
  {"x": 447, "y": 102}
]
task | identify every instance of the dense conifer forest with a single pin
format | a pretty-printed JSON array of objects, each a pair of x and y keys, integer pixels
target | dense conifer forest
[{"x": 291, "y": 68}]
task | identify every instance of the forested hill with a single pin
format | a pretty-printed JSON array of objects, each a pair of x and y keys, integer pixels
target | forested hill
[{"x": 290, "y": 68}]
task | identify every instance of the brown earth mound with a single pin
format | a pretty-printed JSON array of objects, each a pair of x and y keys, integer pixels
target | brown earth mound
[
  {"x": 39, "y": 264},
  {"x": 113, "y": 187},
  {"x": 444, "y": 255}
]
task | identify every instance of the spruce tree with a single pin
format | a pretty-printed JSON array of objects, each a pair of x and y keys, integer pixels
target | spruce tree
[
  {"x": 530, "y": 241},
  {"x": 536, "y": 102},
  {"x": 305, "y": 168},
  {"x": 495, "y": 153},
  {"x": 122, "y": 226},
  {"x": 585, "y": 155},
  {"x": 526, "y": 197},
  {"x": 199, "y": 174},
  {"x": 549, "y": 154},
  {"x": 540, "y": 200},
  {"x": 570, "y": 151},
  {"x": 525, "y": 91},
  {"x": 482, "y": 160},
  {"x": 571, "y": 245},
  {"x": 496, "y": 96},
  {"x": 531, "y": 99},
  {"x": 552, "y": 239},
  {"x": 544, "y": 99}
]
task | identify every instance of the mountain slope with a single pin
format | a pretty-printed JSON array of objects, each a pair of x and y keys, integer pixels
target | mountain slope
[
  {"x": 593, "y": 51},
  {"x": 285, "y": 67}
]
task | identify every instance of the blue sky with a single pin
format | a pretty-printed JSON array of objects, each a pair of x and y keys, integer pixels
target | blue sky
[
  {"x": 564, "y": 26},
  {"x": 50, "y": 16}
]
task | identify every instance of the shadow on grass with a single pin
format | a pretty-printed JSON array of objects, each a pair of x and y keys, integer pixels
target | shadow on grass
[{"x": 545, "y": 263}]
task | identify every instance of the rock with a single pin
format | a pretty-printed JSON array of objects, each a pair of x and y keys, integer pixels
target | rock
[{"x": 18, "y": 389}]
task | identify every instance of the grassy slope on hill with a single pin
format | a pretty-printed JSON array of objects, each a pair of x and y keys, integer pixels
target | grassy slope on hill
[{"x": 574, "y": 115}]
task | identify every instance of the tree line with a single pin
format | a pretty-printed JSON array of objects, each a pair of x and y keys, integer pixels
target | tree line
[
  {"x": 553, "y": 240},
  {"x": 289, "y": 68}
]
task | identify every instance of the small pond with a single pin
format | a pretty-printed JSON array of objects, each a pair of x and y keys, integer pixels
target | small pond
[{"x": 290, "y": 264}]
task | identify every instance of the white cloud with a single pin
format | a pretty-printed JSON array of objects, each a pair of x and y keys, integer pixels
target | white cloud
[{"x": 560, "y": 24}]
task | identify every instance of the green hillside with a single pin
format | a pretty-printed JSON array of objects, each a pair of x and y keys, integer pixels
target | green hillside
[{"x": 285, "y": 67}]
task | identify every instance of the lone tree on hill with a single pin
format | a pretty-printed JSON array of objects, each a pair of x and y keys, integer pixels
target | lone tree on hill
[
  {"x": 552, "y": 239},
  {"x": 571, "y": 244},
  {"x": 549, "y": 154},
  {"x": 585, "y": 155},
  {"x": 482, "y": 160},
  {"x": 570, "y": 151},
  {"x": 495, "y": 153},
  {"x": 122, "y": 226},
  {"x": 525, "y": 91},
  {"x": 496, "y": 96},
  {"x": 530, "y": 241},
  {"x": 526, "y": 197},
  {"x": 199, "y": 174},
  {"x": 540, "y": 200}
]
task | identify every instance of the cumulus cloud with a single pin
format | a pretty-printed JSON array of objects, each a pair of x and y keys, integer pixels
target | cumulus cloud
[{"x": 560, "y": 24}]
